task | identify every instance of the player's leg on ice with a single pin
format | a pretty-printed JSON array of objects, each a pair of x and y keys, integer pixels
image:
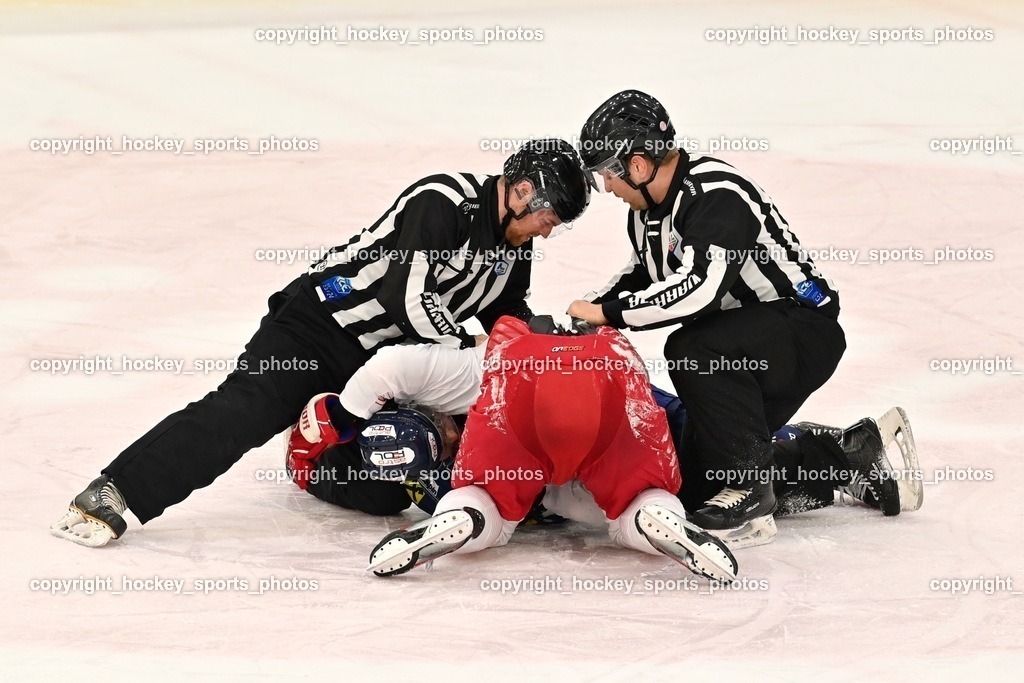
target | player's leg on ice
[
  {"x": 655, "y": 522},
  {"x": 749, "y": 371},
  {"x": 807, "y": 469},
  {"x": 811, "y": 461},
  {"x": 468, "y": 522},
  {"x": 870, "y": 476},
  {"x": 298, "y": 351},
  {"x": 633, "y": 472},
  {"x": 495, "y": 481}
]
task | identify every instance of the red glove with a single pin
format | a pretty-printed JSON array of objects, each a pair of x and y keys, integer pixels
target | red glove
[
  {"x": 505, "y": 329},
  {"x": 311, "y": 436}
]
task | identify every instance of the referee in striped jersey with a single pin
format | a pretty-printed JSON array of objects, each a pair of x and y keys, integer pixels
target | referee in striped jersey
[
  {"x": 451, "y": 247},
  {"x": 756, "y": 321}
]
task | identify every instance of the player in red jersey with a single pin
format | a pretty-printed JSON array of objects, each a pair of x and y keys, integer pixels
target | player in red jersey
[{"x": 554, "y": 408}]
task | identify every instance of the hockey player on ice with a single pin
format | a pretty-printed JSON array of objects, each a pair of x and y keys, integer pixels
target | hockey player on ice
[
  {"x": 810, "y": 461},
  {"x": 590, "y": 417}
]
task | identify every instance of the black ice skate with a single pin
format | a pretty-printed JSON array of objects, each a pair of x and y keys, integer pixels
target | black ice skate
[
  {"x": 687, "y": 544},
  {"x": 834, "y": 433},
  {"x": 740, "y": 517},
  {"x": 94, "y": 517},
  {"x": 875, "y": 482},
  {"x": 400, "y": 551},
  {"x": 894, "y": 427}
]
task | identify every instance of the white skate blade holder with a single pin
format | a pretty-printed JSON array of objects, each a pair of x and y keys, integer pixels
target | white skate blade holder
[
  {"x": 686, "y": 543},
  {"x": 758, "y": 531},
  {"x": 894, "y": 428},
  {"x": 79, "y": 528},
  {"x": 451, "y": 528}
]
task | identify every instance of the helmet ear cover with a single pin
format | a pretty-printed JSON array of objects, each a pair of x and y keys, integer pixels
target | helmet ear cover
[{"x": 399, "y": 444}]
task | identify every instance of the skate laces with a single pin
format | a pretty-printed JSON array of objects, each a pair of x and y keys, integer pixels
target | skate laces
[
  {"x": 855, "y": 489},
  {"x": 112, "y": 498},
  {"x": 858, "y": 488},
  {"x": 727, "y": 498}
]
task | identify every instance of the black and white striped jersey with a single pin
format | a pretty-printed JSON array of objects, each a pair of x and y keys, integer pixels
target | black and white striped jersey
[
  {"x": 716, "y": 242},
  {"x": 436, "y": 258}
]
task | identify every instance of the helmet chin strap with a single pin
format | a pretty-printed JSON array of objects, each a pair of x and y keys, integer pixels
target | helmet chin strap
[
  {"x": 509, "y": 214},
  {"x": 647, "y": 196},
  {"x": 643, "y": 186}
]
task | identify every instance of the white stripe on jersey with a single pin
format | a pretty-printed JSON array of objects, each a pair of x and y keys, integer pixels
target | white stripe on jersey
[
  {"x": 372, "y": 339},
  {"x": 468, "y": 189},
  {"x": 692, "y": 301},
  {"x": 416, "y": 301},
  {"x": 367, "y": 238},
  {"x": 751, "y": 274},
  {"x": 491, "y": 294}
]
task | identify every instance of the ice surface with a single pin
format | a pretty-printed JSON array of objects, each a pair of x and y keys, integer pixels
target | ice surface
[{"x": 154, "y": 255}]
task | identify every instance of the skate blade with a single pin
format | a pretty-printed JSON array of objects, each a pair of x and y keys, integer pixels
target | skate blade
[
  {"x": 80, "y": 528},
  {"x": 398, "y": 553},
  {"x": 894, "y": 427},
  {"x": 667, "y": 532},
  {"x": 758, "y": 531}
]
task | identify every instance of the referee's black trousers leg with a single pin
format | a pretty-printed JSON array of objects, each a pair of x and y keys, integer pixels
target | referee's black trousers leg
[
  {"x": 742, "y": 374},
  {"x": 806, "y": 472},
  {"x": 297, "y": 352}
]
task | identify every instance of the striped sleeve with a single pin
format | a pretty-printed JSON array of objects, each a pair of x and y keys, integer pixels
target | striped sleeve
[
  {"x": 714, "y": 244},
  {"x": 408, "y": 292}
]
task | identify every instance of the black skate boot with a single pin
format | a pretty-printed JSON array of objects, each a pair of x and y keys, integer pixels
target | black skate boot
[
  {"x": 835, "y": 433},
  {"x": 94, "y": 517},
  {"x": 873, "y": 481},
  {"x": 740, "y": 517},
  {"x": 400, "y": 551},
  {"x": 687, "y": 544}
]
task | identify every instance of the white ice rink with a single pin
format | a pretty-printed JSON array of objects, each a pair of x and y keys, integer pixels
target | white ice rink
[{"x": 152, "y": 254}]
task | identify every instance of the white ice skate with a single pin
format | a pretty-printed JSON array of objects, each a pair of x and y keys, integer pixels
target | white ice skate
[
  {"x": 693, "y": 547},
  {"x": 402, "y": 550}
]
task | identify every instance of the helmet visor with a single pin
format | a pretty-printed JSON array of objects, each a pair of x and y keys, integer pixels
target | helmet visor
[
  {"x": 542, "y": 199},
  {"x": 601, "y": 173}
]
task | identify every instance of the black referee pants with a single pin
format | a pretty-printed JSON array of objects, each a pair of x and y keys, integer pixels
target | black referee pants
[
  {"x": 742, "y": 374},
  {"x": 297, "y": 352}
]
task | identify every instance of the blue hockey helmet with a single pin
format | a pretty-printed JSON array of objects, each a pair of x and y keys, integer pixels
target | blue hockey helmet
[{"x": 400, "y": 444}]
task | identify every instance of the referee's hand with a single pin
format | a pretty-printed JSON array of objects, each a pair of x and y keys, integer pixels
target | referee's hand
[{"x": 592, "y": 313}]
